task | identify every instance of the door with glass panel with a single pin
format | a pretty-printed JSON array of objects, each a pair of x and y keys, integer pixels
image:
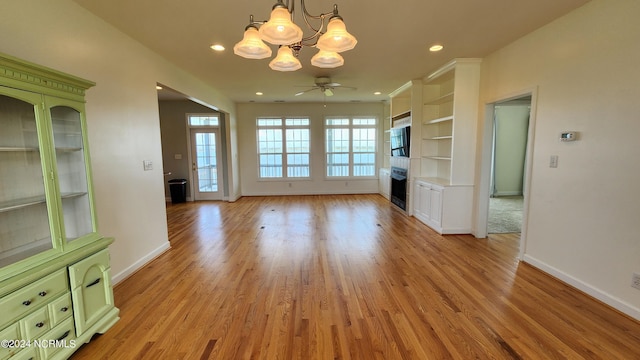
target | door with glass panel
[
  {"x": 25, "y": 229},
  {"x": 72, "y": 168},
  {"x": 205, "y": 164}
]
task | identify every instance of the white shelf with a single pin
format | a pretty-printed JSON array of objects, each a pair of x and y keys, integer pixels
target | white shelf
[
  {"x": 17, "y": 148},
  {"x": 30, "y": 201},
  {"x": 447, "y": 137},
  {"x": 21, "y": 203},
  {"x": 433, "y": 180},
  {"x": 439, "y": 120},
  {"x": 440, "y": 100},
  {"x": 438, "y": 158},
  {"x": 68, "y": 149}
]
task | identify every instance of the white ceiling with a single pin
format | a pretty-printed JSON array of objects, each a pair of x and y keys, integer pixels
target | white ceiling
[{"x": 393, "y": 40}]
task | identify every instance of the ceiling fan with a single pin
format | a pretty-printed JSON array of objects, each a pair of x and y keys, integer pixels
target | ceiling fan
[{"x": 325, "y": 85}]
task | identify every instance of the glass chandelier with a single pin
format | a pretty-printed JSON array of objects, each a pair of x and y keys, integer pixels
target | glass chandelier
[{"x": 281, "y": 30}]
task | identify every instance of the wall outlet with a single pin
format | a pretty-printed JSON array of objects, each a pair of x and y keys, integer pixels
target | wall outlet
[{"x": 635, "y": 281}]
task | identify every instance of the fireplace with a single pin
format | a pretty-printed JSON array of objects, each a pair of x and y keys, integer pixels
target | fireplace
[{"x": 399, "y": 187}]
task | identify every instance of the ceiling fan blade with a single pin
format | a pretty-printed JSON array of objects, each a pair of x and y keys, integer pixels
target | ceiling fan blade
[
  {"x": 333, "y": 84},
  {"x": 306, "y": 91}
]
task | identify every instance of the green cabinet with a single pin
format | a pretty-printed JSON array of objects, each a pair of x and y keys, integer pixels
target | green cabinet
[{"x": 49, "y": 240}]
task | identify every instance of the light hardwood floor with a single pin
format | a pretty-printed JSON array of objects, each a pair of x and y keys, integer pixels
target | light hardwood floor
[{"x": 347, "y": 277}]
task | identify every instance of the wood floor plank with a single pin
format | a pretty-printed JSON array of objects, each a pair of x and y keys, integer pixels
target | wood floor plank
[{"x": 347, "y": 277}]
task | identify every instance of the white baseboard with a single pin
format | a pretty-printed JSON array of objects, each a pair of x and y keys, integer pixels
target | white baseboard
[
  {"x": 606, "y": 298},
  {"x": 507, "y": 193},
  {"x": 456, "y": 231},
  {"x": 140, "y": 263}
]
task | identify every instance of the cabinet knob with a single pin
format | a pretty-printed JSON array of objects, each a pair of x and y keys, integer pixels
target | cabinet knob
[
  {"x": 42, "y": 293},
  {"x": 64, "y": 309},
  {"x": 26, "y": 302},
  {"x": 40, "y": 324}
]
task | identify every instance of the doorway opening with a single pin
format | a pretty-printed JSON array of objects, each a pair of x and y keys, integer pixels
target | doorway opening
[
  {"x": 505, "y": 174},
  {"x": 509, "y": 145},
  {"x": 195, "y": 145}
]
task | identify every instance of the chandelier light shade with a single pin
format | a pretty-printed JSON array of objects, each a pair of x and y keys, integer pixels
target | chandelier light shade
[
  {"x": 251, "y": 46},
  {"x": 285, "y": 61},
  {"x": 327, "y": 59},
  {"x": 336, "y": 39},
  {"x": 328, "y": 33},
  {"x": 280, "y": 30}
]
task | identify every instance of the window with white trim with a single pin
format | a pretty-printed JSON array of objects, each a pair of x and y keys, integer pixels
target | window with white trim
[
  {"x": 204, "y": 120},
  {"x": 283, "y": 148},
  {"x": 351, "y": 146}
]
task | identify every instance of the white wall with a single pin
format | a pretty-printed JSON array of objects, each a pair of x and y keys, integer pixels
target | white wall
[
  {"x": 122, "y": 114},
  {"x": 583, "y": 215},
  {"x": 318, "y": 184}
]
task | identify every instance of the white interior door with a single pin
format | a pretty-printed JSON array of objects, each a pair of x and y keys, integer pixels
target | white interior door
[{"x": 205, "y": 164}]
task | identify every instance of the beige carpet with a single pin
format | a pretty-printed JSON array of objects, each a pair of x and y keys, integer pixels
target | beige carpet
[{"x": 505, "y": 214}]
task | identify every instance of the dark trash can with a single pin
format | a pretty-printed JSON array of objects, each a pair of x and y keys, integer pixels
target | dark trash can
[{"x": 178, "y": 189}]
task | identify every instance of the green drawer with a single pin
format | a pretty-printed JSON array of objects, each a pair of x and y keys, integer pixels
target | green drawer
[
  {"x": 10, "y": 333},
  {"x": 63, "y": 336},
  {"x": 20, "y": 302},
  {"x": 36, "y": 324},
  {"x": 60, "y": 309},
  {"x": 26, "y": 354}
]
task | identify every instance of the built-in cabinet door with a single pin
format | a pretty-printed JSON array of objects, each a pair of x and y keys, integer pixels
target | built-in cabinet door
[
  {"x": 91, "y": 292},
  {"x": 436, "y": 206},
  {"x": 428, "y": 207},
  {"x": 422, "y": 201}
]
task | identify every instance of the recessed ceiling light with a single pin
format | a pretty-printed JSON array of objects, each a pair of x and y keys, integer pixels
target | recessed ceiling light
[
  {"x": 377, "y": 93},
  {"x": 259, "y": 93},
  {"x": 158, "y": 87},
  {"x": 436, "y": 47},
  {"x": 217, "y": 47}
]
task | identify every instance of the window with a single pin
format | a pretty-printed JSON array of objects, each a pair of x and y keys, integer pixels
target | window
[
  {"x": 283, "y": 147},
  {"x": 351, "y": 146},
  {"x": 203, "y": 120}
]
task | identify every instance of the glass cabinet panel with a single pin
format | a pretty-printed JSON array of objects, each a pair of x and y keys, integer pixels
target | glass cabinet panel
[
  {"x": 72, "y": 172},
  {"x": 24, "y": 220}
]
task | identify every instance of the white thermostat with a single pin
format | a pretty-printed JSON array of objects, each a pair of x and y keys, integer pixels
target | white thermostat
[{"x": 568, "y": 136}]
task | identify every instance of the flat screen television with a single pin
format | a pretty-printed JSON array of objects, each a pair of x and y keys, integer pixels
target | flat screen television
[{"x": 400, "y": 141}]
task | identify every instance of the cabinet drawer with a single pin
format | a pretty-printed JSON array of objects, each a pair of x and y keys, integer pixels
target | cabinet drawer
[
  {"x": 26, "y": 354},
  {"x": 20, "y": 302},
  {"x": 78, "y": 272},
  {"x": 63, "y": 336},
  {"x": 10, "y": 333},
  {"x": 36, "y": 324},
  {"x": 60, "y": 309}
]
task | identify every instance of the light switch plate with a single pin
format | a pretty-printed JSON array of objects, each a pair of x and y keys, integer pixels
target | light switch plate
[{"x": 147, "y": 165}]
